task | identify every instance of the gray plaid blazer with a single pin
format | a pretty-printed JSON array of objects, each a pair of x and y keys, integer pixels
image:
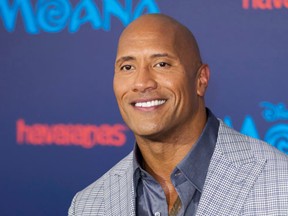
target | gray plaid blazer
[{"x": 245, "y": 177}]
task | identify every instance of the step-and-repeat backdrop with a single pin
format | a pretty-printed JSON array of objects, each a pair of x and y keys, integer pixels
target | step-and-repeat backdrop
[{"x": 60, "y": 128}]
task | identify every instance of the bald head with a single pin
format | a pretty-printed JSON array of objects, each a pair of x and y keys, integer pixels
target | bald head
[{"x": 167, "y": 28}]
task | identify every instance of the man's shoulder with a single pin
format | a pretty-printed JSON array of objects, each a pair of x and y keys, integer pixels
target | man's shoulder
[
  {"x": 92, "y": 197},
  {"x": 248, "y": 172},
  {"x": 119, "y": 169},
  {"x": 236, "y": 141}
]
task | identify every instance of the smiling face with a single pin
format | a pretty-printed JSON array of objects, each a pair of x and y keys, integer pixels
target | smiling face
[{"x": 157, "y": 80}]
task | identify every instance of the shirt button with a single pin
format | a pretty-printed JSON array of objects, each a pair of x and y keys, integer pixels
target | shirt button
[
  {"x": 157, "y": 214},
  {"x": 178, "y": 173}
]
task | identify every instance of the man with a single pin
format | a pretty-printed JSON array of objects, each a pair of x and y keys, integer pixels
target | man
[{"x": 185, "y": 161}]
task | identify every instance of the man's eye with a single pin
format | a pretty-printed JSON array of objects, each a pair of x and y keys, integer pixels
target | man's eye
[
  {"x": 162, "y": 64},
  {"x": 126, "y": 67}
]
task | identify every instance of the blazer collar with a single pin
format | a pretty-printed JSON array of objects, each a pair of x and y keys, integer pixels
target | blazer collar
[
  {"x": 231, "y": 174},
  {"x": 119, "y": 190}
]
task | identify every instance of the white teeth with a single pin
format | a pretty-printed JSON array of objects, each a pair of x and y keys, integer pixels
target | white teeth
[{"x": 150, "y": 103}]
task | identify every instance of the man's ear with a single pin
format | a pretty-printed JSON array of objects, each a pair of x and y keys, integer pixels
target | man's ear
[{"x": 203, "y": 79}]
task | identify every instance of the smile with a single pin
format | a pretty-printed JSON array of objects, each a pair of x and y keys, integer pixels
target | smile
[{"x": 150, "y": 103}]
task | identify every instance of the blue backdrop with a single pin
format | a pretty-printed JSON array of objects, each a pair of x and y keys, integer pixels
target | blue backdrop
[{"x": 60, "y": 128}]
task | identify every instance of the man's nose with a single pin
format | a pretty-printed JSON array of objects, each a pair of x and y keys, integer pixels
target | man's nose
[{"x": 144, "y": 80}]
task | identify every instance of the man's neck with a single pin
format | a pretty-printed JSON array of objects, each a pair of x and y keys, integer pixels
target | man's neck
[
  {"x": 161, "y": 156},
  {"x": 160, "y": 159}
]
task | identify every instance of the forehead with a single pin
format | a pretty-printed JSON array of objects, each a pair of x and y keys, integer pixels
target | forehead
[{"x": 147, "y": 40}]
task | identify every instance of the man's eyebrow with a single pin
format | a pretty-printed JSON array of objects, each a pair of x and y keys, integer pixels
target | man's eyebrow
[
  {"x": 159, "y": 55},
  {"x": 125, "y": 58}
]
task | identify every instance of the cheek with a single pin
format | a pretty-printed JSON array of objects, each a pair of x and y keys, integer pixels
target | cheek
[
  {"x": 117, "y": 85},
  {"x": 120, "y": 89},
  {"x": 168, "y": 80},
  {"x": 184, "y": 90},
  {"x": 177, "y": 84}
]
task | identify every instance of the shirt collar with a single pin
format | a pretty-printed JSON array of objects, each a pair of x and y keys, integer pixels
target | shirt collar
[{"x": 195, "y": 164}]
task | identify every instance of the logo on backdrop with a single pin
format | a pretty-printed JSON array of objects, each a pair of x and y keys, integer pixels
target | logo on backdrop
[
  {"x": 86, "y": 136},
  {"x": 277, "y": 134},
  {"x": 264, "y": 4},
  {"x": 55, "y": 15},
  {"x": 89, "y": 136}
]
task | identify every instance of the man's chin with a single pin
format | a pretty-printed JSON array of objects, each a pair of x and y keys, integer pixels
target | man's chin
[{"x": 153, "y": 136}]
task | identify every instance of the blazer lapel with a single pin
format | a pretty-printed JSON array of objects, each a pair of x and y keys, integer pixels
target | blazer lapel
[
  {"x": 231, "y": 174},
  {"x": 119, "y": 190}
]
